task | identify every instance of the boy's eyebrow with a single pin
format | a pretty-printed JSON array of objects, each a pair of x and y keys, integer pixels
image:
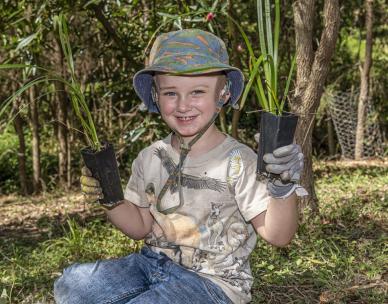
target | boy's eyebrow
[
  {"x": 167, "y": 88},
  {"x": 174, "y": 87}
]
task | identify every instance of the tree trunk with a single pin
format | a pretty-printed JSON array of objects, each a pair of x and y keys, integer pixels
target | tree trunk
[
  {"x": 68, "y": 153},
  {"x": 364, "y": 89},
  {"x": 330, "y": 136},
  {"x": 311, "y": 73},
  {"x": 62, "y": 102},
  {"x": 18, "y": 125},
  {"x": 235, "y": 62},
  {"x": 34, "y": 124}
]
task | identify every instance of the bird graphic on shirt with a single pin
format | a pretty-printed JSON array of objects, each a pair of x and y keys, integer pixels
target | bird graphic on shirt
[{"x": 187, "y": 180}]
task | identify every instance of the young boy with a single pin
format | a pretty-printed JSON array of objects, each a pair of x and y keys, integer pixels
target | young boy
[{"x": 193, "y": 196}]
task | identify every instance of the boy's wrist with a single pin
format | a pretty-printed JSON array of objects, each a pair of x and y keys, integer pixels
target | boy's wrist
[
  {"x": 113, "y": 206},
  {"x": 277, "y": 189}
]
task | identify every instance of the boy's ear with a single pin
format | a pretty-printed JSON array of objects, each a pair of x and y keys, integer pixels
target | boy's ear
[{"x": 225, "y": 92}]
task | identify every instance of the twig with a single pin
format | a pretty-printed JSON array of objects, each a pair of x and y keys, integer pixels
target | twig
[{"x": 327, "y": 296}]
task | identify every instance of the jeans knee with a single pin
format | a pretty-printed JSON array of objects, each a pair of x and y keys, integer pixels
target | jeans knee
[{"x": 72, "y": 285}]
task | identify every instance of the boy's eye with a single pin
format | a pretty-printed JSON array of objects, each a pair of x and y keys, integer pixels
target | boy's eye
[
  {"x": 198, "y": 92},
  {"x": 169, "y": 94}
]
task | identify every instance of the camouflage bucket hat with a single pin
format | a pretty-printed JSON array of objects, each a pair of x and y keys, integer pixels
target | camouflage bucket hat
[{"x": 187, "y": 52}]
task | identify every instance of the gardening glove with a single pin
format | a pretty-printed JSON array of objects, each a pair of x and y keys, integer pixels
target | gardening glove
[
  {"x": 90, "y": 186},
  {"x": 287, "y": 162}
]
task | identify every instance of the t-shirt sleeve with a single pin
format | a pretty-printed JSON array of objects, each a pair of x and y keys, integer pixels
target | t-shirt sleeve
[
  {"x": 135, "y": 189},
  {"x": 251, "y": 195}
]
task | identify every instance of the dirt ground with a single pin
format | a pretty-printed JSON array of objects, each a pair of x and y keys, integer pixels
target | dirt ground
[{"x": 32, "y": 216}]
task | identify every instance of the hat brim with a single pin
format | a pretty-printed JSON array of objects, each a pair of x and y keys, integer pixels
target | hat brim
[{"x": 176, "y": 65}]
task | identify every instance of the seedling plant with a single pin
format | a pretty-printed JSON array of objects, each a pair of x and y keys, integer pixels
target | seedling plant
[{"x": 76, "y": 93}]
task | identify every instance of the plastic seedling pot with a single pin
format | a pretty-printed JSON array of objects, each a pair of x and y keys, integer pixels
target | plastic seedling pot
[
  {"x": 275, "y": 131},
  {"x": 103, "y": 166}
]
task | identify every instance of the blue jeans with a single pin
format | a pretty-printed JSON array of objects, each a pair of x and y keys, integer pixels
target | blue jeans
[{"x": 142, "y": 278}]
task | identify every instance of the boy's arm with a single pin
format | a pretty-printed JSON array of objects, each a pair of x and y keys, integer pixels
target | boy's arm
[
  {"x": 278, "y": 224},
  {"x": 133, "y": 221}
]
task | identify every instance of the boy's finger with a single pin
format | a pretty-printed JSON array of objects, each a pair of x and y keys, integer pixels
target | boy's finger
[
  {"x": 91, "y": 190},
  {"x": 92, "y": 198},
  {"x": 257, "y": 137},
  {"x": 280, "y": 168},
  {"x": 269, "y": 158},
  {"x": 285, "y": 176},
  {"x": 89, "y": 181},
  {"x": 85, "y": 171},
  {"x": 286, "y": 150}
]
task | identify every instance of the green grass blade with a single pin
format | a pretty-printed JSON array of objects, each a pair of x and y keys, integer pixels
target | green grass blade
[
  {"x": 258, "y": 97},
  {"x": 271, "y": 65},
  {"x": 252, "y": 77},
  {"x": 260, "y": 24},
  {"x": 79, "y": 104},
  {"x": 268, "y": 27},
  {"x": 275, "y": 103},
  {"x": 276, "y": 41},
  {"x": 244, "y": 35},
  {"x": 287, "y": 84},
  {"x": 11, "y": 66},
  {"x": 20, "y": 91},
  {"x": 263, "y": 47},
  {"x": 276, "y": 34},
  {"x": 65, "y": 43}
]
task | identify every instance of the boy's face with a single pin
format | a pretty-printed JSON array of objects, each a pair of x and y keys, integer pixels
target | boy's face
[{"x": 187, "y": 103}]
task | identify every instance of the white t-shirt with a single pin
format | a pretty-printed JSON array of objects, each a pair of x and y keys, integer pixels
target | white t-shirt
[{"x": 210, "y": 233}]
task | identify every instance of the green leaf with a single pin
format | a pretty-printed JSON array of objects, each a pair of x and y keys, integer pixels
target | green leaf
[
  {"x": 20, "y": 66},
  {"x": 287, "y": 84},
  {"x": 268, "y": 27},
  {"x": 170, "y": 16},
  {"x": 260, "y": 24},
  {"x": 26, "y": 41},
  {"x": 215, "y": 3},
  {"x": 276, "y": 43},
  {"x": 96, "y": 2},
  {"x": 136, "y": 133},
  {"x": 3, "y": 297},
  {"x": 77, "y": 97},
  {"x": 254, "y": 73},
  {"x": 244, "y": 35}
]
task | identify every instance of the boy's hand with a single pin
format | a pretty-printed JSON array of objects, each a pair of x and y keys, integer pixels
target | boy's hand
[
  {"x": 90, "y": 186},
  {"x": 286, "y": 161}
]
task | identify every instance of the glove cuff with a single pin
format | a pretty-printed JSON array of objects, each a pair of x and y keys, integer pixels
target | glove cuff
[
  {"x": 112, "y": 205},
  {"x": 284, "y": 191}
]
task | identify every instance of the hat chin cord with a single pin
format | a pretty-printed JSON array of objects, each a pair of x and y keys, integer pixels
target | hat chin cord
[{"x": 184, "y": 151}]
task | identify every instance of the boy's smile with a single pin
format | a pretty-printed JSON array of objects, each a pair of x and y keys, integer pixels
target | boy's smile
[{"x": 187, "y": 103}]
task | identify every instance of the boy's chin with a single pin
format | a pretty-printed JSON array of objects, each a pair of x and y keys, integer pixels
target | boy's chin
[{"x": 187, "y": 134}]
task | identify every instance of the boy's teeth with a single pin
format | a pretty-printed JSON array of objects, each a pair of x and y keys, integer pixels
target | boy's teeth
[{"x": 186, "y": 118}]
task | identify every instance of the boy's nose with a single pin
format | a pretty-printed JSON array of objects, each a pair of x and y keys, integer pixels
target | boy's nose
[{"x": 183, "y": 104}]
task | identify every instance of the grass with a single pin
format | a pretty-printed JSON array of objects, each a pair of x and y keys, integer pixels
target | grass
[{"x": 339, "y": 256}]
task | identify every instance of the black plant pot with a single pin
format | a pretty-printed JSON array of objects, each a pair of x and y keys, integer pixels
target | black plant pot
[
  {"x": 103, "y": 166},
  {"x": 275, "y": 131}
]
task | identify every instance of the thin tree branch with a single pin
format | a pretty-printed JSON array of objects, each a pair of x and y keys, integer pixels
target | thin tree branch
[{"x": 99, "y": 13}]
